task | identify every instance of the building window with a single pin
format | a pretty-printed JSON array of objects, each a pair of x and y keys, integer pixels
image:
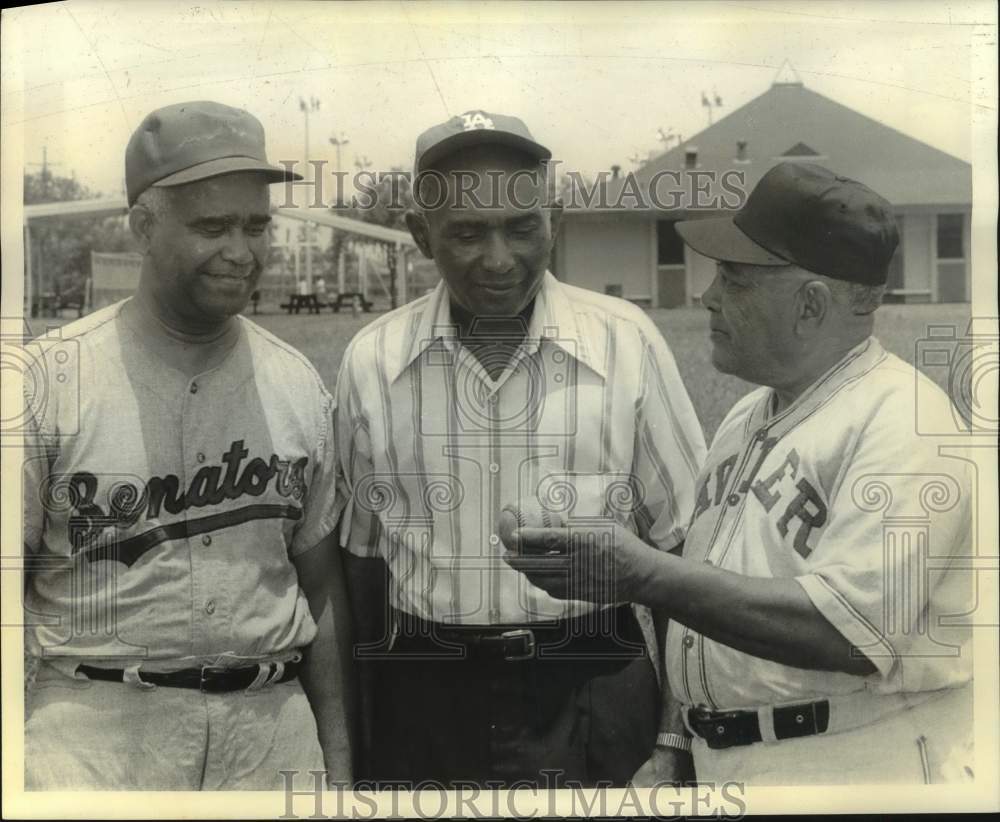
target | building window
[
  {"x": 669, "y": 245},
  {"x": 896, "y": 279},
  {"x": 952, "y": 271},
  {"x": 950, "y": 245}
]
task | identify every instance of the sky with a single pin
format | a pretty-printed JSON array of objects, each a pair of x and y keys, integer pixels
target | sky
[{"x": 593, "y": 81}]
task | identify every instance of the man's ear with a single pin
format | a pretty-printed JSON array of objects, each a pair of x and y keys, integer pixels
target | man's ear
[
  {"x": 555, "y": 216},
  {"x": 140, "y": 221},
  {"x": 416, "y": 221},
  {"x": 815, "y": 304}
]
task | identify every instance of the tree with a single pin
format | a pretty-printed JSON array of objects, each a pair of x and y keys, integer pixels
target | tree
[
  {"x": 384, "y": 205},
  {"x": 61, "y": 249}
]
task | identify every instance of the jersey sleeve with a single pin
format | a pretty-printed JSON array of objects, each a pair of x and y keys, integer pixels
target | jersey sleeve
[
  {"x": 360, "y": 530},
  {"x": 34, "y": 475},
  {"x": 324, "y": 493},
  {"x": 669, "y": 448},
  {"x": 885, "y": 567}
]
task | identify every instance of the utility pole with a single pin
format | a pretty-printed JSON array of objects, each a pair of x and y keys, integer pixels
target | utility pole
[
  {"x": 338, "y": 141},
  {"x": 306, "y": 107},
  {"x": 667, "y": 137},
  {"x": 711, "y": 104},
  {"x": 44, "y": 165}
]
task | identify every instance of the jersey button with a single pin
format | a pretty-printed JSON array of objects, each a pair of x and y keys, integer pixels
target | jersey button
[
  {"x": 494, "y": 539},
  {"x": 733, "y": 499},
  {"x": 494, "y": 468},
  {"x": 200, "y": 457},
  {"x": 210, "y": 607},
  {"x": 761, "y": 435},
  {"x": 206, "y": 540},
  {"x": 688, "y": 641},
  {"x": 194, "y": 388}
]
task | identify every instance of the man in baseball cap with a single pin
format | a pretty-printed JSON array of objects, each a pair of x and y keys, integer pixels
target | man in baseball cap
[
  {"x": 502, "y": 386},
  {"x": 794, "y": 654},
  {"x": 199, "y": 494},
  {"x": 187, "y": 142}
]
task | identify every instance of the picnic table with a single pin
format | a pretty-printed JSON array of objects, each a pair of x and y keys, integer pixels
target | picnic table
[
  {"x": 296, "y": 302},
  {"x": 51, "y": 304},
  {"x": 312, "y": 303},
  {"x": 346, "y": 300}
]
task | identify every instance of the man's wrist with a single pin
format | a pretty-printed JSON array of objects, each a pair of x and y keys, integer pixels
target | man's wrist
[
  {"x": 643, "y": 574},
  {"x": 667, "y": 740}
]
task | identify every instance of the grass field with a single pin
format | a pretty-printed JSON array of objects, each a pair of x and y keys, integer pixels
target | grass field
[{"x": 323, "y": 338}]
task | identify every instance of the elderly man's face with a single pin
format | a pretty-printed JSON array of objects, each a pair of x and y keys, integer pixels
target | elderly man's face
[
  {"x": 491, "y": 259},
  {"x": 752, "y": 321},
  {"x": 209, "y": 248}
]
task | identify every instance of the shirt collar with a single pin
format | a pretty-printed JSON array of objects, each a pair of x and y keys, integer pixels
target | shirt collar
[
  {"x": 552, "y": 319},
  {"x": 856, "y": 362}
]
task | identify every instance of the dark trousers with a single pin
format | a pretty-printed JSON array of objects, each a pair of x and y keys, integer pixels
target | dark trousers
[{"x": 585, "y": 717}]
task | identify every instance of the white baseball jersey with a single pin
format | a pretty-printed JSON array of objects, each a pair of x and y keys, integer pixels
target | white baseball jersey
[
  {"x": 162, "y": 512},
  {"x": 840, "y": 493},
  {"x": 591, "y": 420}
]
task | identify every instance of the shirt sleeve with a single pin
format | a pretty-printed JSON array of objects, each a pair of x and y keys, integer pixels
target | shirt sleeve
[
  {"x": 38, "y": 453},
  {"x": 884, "y": 568},
  {"x": 669, "y": 448},
  {"x": 360, "y": 530},
  {"x": 325, "y": 497}
]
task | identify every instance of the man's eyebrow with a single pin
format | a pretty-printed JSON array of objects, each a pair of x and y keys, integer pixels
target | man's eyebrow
[
  {"x": 525, "y": 219},
  {"x": 465, "y": 224},
  {"x": 229, "y": 219}
]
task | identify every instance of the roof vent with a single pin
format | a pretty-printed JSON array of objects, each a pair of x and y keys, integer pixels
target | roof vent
[
  {"x": 741, "y": 150},
  {"x": 801, "y": 150},
  {"x": 787, "y": 76},
  {"x": 615, "y": 170},
  {"x": 691, "y": 157}
]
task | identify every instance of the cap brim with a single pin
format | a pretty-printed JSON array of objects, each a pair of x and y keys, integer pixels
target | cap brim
[
  {"x": 228, "y": 165},
  {"x": 479, "y": 137},
  {"x": 720, "y": 239}
]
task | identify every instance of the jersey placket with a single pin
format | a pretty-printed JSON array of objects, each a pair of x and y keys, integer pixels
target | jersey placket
[
  {"x": 209, "y": 603},
  {"x": 737, "y": 488}
]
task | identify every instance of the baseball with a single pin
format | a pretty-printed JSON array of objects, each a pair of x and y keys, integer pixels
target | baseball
[{"x": 525, "y": 514}]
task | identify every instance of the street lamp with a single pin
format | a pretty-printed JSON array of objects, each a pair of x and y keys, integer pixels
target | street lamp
[
  {"x": 312, "y": 105},
  {"x": 338, "y": 141}
]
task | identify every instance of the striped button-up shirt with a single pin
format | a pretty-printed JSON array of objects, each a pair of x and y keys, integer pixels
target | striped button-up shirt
[{"x": 589, "y": 420}]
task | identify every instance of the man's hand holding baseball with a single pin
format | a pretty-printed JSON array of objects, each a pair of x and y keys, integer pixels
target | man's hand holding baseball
[{"x": 596, "y": 563}]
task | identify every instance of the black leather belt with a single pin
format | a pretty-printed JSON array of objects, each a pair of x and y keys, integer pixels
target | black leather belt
[
  {"x": 210, "y": 680},
  {"x": 612, "y": 635},
  {"x": 726, "y": 729}
]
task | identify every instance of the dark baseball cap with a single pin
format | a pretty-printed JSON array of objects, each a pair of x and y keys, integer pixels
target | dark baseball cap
[
  {"x": 474, "y": 128},
  {"x": 194, "y": 141},
  {"x": 804, "y": 214}
]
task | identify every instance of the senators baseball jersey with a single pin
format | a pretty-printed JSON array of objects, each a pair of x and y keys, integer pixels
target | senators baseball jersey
[
  {"x": 840, "y": 493},
  {"x": 162, "y": 512}
]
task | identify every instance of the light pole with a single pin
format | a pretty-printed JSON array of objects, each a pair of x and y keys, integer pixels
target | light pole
[
  {"x": 711, "y": 103},
  {"x": 338, "y": 141},
  {"x": 312, "y": 105}
]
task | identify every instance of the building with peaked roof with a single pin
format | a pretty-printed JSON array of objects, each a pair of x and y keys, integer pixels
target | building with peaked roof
[{"x": 620, "y": 245}]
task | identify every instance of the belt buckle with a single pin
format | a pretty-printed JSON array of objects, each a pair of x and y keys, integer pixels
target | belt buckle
[
  {"x": 206, "y": 677},
  {"x": 713, "y": 726},
  {"x": 529, "y": 644}
]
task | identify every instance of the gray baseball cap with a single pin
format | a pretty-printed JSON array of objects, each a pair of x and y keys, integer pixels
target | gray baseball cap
[
  {"x": 194, "y": 141},
  {"x": 475, "y": 127}
]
